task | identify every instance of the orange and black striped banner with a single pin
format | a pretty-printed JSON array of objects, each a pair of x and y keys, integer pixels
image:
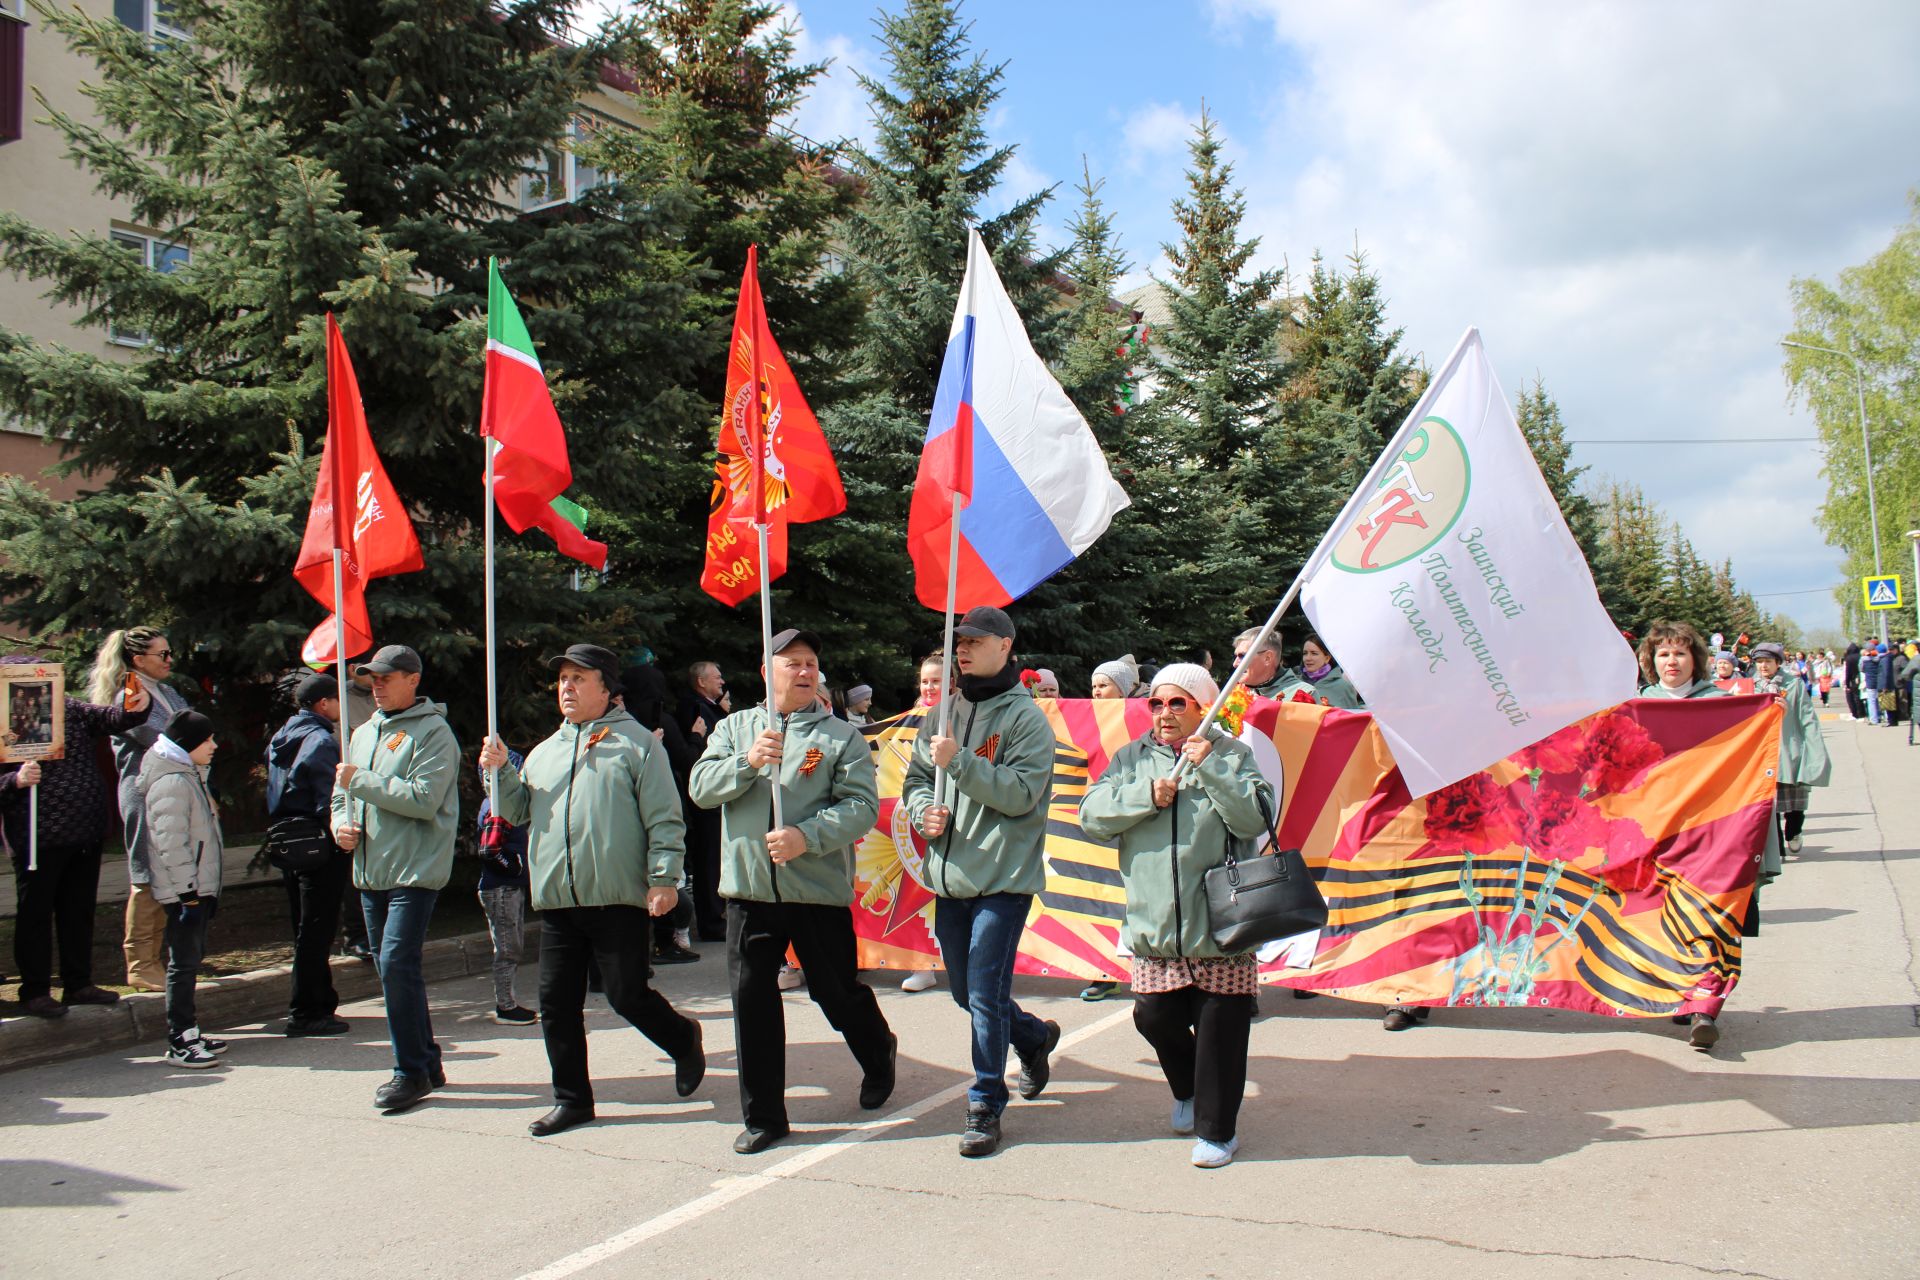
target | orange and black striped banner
[{"x": 1608, "y": 868}]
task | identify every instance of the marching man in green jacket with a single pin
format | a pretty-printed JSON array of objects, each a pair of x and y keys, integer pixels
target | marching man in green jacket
[
  {"x": 605, "y": 843},
  {"x": 985, "y": 832},
  {"x": 792, "y": 884},
  {"x": 395, "y": 807}
]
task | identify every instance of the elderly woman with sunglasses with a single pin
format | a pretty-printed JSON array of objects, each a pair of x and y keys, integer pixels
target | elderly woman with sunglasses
[{"x": 1192, "y": 1002}]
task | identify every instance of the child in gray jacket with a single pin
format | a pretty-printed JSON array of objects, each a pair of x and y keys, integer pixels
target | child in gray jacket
[{"x": 184, "y": 851}]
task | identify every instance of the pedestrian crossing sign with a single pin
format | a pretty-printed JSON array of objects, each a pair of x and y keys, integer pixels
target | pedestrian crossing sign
[{"x": 1882, "y": 592}]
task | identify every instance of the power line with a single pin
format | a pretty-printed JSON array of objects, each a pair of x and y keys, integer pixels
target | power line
[
  {"x": 1804, "y": 591},
  {"x": 1711, "y": 440}
]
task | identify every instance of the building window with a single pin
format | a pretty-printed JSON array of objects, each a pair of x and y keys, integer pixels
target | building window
[
  {"x": 163, "y": 256},
  {"x": 154, "y": 18},
  {"x": 13, "y": 70},
  {"x": 562, "y": 177}
]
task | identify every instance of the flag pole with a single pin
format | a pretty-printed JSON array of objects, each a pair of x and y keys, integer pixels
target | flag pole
[
  {"x": 946, "y": 646},
  {"x": 493, "y": 707},
  {"x": 33, "y": 828},
  {"x": 766, "y": 661},
  {"x": 1367, "y": 485},
  {"x": 340, "y": 640}
]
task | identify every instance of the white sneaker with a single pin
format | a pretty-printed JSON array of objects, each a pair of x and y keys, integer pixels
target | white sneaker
[
  {"x": 1793, "y": 845},
  {"x": 919, "y": 980},
  {"x": 186, "y": 1050},
  {"x": 791, "y": 978},
  {"x": 1183, "y": 1115},
  {"x": 1213, "y": 1155}
]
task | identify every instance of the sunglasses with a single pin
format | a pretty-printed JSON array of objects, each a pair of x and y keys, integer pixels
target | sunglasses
[
  {"x": 1175, "y": 705},
  {"x": 165, "y": 655}
]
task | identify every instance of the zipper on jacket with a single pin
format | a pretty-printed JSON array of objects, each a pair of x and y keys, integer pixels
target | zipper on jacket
[
  {"x": 773, "y": 868},
  {"x": 573, "y": 767},
  {"x": 953, "y": 808}
]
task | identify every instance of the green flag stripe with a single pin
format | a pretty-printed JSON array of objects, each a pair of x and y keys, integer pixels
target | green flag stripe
[
  {"x": 504, "y": 325},
  {"x": 572, "y": 512}
]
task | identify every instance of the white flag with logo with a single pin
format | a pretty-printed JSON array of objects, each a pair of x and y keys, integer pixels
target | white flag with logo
[{"x": 1452, "y": 594}]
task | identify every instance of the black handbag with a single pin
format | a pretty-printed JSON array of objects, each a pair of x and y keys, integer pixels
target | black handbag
[
  {"x": 299, "y": 843},
  {"x": 1258, "y": 898}
]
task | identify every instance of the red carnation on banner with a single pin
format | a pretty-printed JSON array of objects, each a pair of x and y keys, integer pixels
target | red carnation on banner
[
  {"x": 1557, "y": 824},
  {"x": 356, "y": 511},
  {"x": 1560, "y": 752},
  {"x": 1618, "y": 750},
  {"x": 1474, "y": 813},
  {"x": 775, "y": 465}
]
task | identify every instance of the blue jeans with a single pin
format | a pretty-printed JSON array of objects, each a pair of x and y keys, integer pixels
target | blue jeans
[
  {"x": 979, "y": 938},
  {"x": 396, "y": 932},
  {"x": 1874, "y": 713}
]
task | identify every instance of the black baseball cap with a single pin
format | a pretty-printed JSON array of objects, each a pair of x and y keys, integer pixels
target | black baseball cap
[
  {"x": 388, "y": 659},
  {"x": 794, "y": 635},
  {"x": 595, "y": 658},
  {"x": 985, "y": 620},
  {"x": 313, "y": 689}
]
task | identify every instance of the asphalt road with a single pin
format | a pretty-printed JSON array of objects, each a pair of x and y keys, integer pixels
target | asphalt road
[{"x": 1487, "y": 1143}]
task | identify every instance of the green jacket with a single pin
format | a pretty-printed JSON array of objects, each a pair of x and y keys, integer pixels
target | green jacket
[
  {"x": 1698, "y": 689},
  {"x": 829, "y": 792},
  {"x": 405, "y": 798},
  {"x": 1333, "y": 690},
  {"x": 1165, "y": 854},
  {"x": 1280, "y": 688},
  {"x": 998, "y": 787},
  {"x": 603, "y": 816},
  {"x": 1803, "y": 752}
]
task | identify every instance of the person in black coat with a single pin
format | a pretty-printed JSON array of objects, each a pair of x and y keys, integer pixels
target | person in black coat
[
  {"x": 701, "y": 708},
  {"x": 1851, "y": 686},
  {"x": 58, "y": 894},
  {"x": 300, "y": 763},
  {"x": 644, "y": 694}
]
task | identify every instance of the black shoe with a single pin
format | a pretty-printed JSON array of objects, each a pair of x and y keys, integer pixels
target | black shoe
[
  {"x": 437, "y": 1074},
  {"x": 878, "y": 1085},
  {"x": 359, "y": 951},
  {"x": 317, "y": 1026},
  {"x": 517, "y": 1016},
  {"x": 400, "y": 1093},
  {"x": 982, "y": 1134},
  {"x": 90, "y": 995},
  {"x": 560, "y": 1119},
  {"x": 691, "y": 1068},
  {"x": 1298, "y": 994},
  {"x": 1035, "y": 1071},
  {"x": 46, "y": 1007},
  {"x": 752, "y": 1141},
  {"x": 1398, "y": 1019},
  {"x": 674, "y": 953}
]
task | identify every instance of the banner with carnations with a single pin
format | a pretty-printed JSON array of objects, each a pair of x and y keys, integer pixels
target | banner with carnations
[{"x": 1607, "y": 869}]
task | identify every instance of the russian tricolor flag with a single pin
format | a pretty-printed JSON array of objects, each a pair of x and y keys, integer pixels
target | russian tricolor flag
[{"x": 1033, "y": 485}]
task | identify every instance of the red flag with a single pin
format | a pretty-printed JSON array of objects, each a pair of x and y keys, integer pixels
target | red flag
[
  {"x": 530, "y": 469},
  {"x": 379, "y": 538},
  {"x": 775, "y": 465}
]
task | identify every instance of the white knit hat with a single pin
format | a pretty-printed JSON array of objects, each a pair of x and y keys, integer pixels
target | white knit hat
[
  {"x": 1124, "y": 672},
  {"x": 1189, "y": 676}
]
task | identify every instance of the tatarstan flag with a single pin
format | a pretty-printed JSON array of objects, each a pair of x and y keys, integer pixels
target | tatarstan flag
[
  {"x": 530, "y": 468},
  {"x": 775, "y": 465}
]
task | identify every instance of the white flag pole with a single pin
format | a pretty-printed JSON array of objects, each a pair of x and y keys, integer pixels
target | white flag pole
[
  {"x": 33, "y": 828},
  {"x": 1381, "y": 466},
  {"x": 766, "y": 659},
  {"x": 946, "y": 648},
  {"x": 340, "y": 640},
  {"x": 493, "y": 706}
]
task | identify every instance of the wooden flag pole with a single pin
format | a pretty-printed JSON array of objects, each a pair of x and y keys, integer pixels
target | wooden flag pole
[
  {"x": 766, "y": 666},
  {"x": 946, "y": 647}
]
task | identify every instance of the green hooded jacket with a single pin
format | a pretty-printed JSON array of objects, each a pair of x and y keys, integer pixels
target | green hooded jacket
[
  {"x": 603, "y": 816},
  {"x": 405, "y": 798},
  {"x": 1803, "y": 752},
  {"x": 829, "y": 792},
  {"x": 1333, "y": 690},
  {"x": 998, "y": 787},
  {"x": 1165, "y": 854}
]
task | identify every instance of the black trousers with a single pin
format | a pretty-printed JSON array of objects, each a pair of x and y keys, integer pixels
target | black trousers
[
  {"x": 186, "y": 948},
  {"x": 703, "y": 866},
  {"x": 1201, "y": 1039},
  {"x": 57, "y": 895},
  {"x": 313, "y": 905},
  {"x": 621, "y": 940},
  {"x": 758, "y": 934}
]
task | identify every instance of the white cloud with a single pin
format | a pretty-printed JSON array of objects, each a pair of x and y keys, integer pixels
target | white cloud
[{"x": 1619, "y": 197}]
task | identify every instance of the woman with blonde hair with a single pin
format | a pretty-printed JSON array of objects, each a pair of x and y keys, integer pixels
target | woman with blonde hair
[{"x": 138, "y": 657}]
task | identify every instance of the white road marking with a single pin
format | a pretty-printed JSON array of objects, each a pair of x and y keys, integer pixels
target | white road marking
[{"x": 746, "y": 1184}]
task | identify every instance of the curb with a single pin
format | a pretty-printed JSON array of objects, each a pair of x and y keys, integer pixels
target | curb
[{"x": 259, "y": 995}]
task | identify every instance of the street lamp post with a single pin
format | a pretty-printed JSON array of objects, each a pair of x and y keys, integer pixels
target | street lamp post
[
  {"x": 1913, "y": 539},
  {"x": 1866, "y": 452}
]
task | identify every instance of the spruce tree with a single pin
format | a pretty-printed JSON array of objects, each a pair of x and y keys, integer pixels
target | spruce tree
[
  {"x": 323, "y": 155},
  {"x": 924, "y": 179},
  {"x": 1541, "y": 423}
]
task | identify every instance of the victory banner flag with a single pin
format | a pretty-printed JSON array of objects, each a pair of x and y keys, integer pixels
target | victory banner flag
[
  {"x": 530, "y": 466},
  {"x": 356, "y": 511},
  {"x": 1456, "y": 599},
  {"x": 1033, "y": 487},
  {"x": 775, "y": 466},
  {"x": 1606, "y": 869}
]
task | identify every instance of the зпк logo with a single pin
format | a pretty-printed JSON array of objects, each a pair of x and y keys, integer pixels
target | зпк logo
[{"x": 1415, "y": 504}]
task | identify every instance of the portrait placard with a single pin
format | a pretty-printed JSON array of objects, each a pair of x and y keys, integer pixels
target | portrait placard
[{"x": 33, "y": 712}]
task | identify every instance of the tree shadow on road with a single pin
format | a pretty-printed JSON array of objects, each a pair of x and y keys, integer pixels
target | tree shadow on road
[{"x": 49, "y": 1184}]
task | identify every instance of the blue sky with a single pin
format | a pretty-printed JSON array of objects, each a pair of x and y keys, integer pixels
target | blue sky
[{"x": 1617, "y": 193}]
